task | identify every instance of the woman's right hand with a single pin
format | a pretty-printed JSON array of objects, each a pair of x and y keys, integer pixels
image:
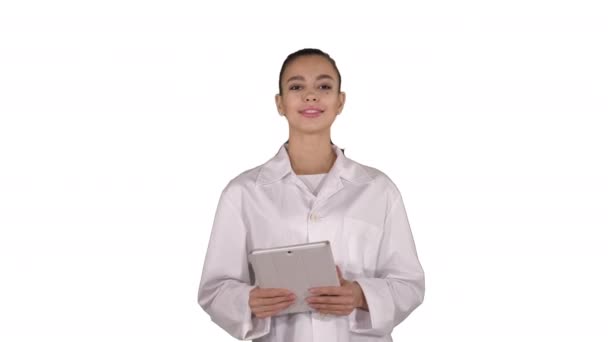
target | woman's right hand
[{"x": 268, "y": 302}]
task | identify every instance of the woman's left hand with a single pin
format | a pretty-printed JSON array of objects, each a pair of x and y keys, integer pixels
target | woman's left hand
[{"x": 337, "y": 300}]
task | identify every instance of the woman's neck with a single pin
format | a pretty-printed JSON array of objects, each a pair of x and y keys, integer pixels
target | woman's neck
[{"x": 310, "y": 154}]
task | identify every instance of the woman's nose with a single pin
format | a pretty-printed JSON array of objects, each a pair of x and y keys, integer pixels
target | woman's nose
[{"x": 311, "y": 97}]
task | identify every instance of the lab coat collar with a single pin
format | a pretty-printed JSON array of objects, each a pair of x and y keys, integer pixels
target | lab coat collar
[{"x": 344, "y": 168}]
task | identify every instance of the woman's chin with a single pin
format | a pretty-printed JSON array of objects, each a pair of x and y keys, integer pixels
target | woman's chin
[{"x": 309, "y": 129}]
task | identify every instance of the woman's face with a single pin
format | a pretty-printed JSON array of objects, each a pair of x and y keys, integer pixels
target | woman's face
[{"x": 310, "y": 99}]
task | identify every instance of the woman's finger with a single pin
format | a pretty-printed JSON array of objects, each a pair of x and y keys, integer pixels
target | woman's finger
[
  {"x": 331, "y": 299},
  {"x": 269, "y": 293},
  {"x": 331, "y": 307},
  {"x": 335, "y": 312},
  {"x": 271, "y": 307},
  {"x": 270, "y": 310},
  {"x": 270, "y": 301},
  {"x": 332, "y": 291},
  {"x": 340, "y": 277}
]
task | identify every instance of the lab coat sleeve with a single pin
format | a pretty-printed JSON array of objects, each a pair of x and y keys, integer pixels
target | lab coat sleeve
[
  {"x": 398, "y": 286},
  {"x": 225, "y": 282}
]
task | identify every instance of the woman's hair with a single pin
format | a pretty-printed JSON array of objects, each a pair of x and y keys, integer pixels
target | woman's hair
[{"x": 307, "y": 52}]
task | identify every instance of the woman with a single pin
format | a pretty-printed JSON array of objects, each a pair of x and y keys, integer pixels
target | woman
[{"x": 311, "y": 192}]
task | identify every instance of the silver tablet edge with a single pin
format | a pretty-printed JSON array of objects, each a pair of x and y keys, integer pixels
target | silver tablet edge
[{"x": 290, "y": 248}]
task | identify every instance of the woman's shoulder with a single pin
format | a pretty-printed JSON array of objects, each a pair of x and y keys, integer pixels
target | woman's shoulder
[
  {"x": 377, "y": 177},
  {"x": 244, "y": 180}
]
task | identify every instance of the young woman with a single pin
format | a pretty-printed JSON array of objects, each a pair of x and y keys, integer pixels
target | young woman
[{"x": 309, "y": 191}]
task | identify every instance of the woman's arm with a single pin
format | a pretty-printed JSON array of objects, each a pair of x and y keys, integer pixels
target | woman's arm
[
  {"x": 398, "y": 286},
  {"x": 225, "y": 282}
]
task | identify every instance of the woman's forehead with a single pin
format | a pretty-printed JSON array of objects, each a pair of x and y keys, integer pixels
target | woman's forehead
[{"x": 310, "y": 67}]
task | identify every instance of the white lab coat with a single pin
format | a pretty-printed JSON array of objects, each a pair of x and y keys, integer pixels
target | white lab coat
[{"x": 358, "y": 209}]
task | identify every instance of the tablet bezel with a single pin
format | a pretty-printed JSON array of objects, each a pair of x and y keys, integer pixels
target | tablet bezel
[{"x": 282, "y": 259}]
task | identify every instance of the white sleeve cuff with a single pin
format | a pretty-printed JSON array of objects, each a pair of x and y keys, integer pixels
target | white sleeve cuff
[
  {"x": 379, "y": 320},
  {"x": 236, "y": 317},
  {"x": 254, "y": 327}
]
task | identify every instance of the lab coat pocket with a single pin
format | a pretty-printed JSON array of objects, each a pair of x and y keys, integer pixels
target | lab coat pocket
[{"x": 361, "y": 240}]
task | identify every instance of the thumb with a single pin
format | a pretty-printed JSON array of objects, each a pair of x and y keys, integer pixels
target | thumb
[{"x": 340, "y": 277}]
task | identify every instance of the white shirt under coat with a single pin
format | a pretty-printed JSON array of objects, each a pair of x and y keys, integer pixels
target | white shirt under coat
[{"x": 358, "y": 209}]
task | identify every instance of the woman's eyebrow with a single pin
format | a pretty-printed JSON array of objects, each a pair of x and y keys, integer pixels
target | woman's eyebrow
[
  {"x": 301, "y": 78},
  {"x": 324, "y": 76},
  {"x": 295, "y": 78}
]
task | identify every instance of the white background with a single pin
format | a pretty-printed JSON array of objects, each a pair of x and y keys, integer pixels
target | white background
[{"x": 122, "y": 121}]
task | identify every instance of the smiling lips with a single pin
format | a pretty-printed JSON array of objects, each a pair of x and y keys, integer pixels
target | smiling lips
[{"x": 311, "y": 112}]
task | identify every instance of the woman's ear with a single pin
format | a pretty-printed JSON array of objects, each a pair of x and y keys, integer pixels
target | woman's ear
[
  {"x": 279, "y": 103},
  {"x": 341, "y": 101}
]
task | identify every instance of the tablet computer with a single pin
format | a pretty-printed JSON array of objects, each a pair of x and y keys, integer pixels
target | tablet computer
[{"x": 296, "y": 268}]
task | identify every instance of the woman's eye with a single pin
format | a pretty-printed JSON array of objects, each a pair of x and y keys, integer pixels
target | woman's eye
[
  {"x": 325, "y": 87},
  {"x": 295, "y": 87}
]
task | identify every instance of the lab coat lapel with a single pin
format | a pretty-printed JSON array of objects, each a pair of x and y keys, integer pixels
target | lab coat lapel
[
  {"x": 333, "y": 181},
  {"x": 343, "y": 169}
]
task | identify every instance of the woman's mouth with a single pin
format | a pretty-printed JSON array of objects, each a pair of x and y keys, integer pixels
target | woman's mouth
[{"x": 311, "y": 112}]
